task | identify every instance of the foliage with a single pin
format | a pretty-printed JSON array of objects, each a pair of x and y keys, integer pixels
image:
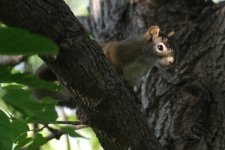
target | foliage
[
  {"x": 24, "y": 42},
  {"x": 6, "y": 76},
  {"x": 18, "y": 107},
  {"x": 19, "y": 110},
  {"x": 6, "y": 135}
]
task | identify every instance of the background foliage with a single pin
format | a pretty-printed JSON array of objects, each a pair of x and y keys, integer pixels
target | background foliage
[{"x": 25, "y": 121}]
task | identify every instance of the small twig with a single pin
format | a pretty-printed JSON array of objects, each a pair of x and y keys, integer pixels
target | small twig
[
  {"x": 82, "y": 126},
  {"x": 34, "y": 130},
  {"x": 56, "y": 134},
  {"x": 74, "y": 123},
  {"x": 68, "y": 122},
  {"x": 78, "y": 125}
]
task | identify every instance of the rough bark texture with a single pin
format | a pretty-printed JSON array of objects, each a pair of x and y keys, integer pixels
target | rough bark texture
[
  {"x": 185, "y": 105},
  {"x": 106, "y": 102}
]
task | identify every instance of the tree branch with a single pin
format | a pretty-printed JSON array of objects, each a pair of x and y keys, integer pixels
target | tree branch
[
  {"x": 105, "y": 101},
  {"x": 68, "y": 122}
]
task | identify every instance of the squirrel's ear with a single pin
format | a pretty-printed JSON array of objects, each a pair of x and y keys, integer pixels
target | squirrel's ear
[
  {"x": 171, "y": 34},
  {"x": 153, "y": 31}
]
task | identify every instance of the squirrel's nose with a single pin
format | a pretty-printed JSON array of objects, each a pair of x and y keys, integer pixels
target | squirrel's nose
[{"x": 170, "y": 60}]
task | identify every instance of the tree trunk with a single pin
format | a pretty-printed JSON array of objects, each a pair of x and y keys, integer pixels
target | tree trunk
[
  {"x": 184, "y": 105},
  {"x": 105, "y": 101}
]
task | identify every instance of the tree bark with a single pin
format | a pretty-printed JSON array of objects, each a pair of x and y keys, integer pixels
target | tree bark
[
  {"x": 185, "y": 105},
  {"x": 106, "y": 102}
]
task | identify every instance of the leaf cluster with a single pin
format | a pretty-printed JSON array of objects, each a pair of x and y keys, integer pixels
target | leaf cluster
[{"x": 19, "y": 109}]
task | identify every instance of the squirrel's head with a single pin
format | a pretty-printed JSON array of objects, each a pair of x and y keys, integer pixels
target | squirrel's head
[{"x": 160, "y": 45}]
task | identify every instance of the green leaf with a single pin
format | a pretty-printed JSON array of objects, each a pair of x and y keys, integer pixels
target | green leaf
[
  {"x": 38, "y": 141},
  {"x": 71, "y": 132},
  {"x": 20, "y": 129},
  {"x": 6, "y": 134},
  {"x": 4, "y": 71},
  {"x": 46, "y": 112},
  {"x": 22, "y": 142},
  {"x": 35, "y": 111},
  {"x": 26, "y": 79},
  {"x": 14, "y": 41}
]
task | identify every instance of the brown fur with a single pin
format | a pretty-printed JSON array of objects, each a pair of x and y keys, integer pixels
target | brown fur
[
  {"x": 129, "y": 57},
  {"x": 123, "y": 53}
]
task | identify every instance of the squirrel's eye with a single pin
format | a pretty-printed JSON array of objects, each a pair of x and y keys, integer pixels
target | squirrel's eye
[{"x": 160, "y": 47}]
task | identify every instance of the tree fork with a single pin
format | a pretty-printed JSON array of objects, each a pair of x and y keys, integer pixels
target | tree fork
[{"x": 105, "y": 101}]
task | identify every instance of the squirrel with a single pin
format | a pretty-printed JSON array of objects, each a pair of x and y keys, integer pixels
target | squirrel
[{"x": 131, "y": 57}]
